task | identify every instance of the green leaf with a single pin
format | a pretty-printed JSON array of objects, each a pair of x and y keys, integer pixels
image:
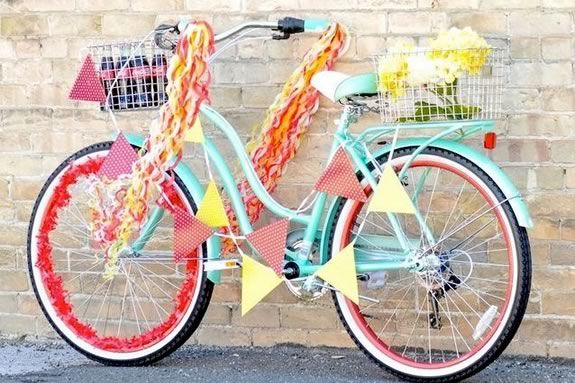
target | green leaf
[
  {"x": 463, "y": 112},
  {"x": 425, "y": 111},
  {"x": 447, "y": 89}
]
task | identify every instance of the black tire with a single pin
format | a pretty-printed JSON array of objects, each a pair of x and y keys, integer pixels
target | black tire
[
  {"x": 523, "y": 282},
  {"x": 206, "y": 287}
]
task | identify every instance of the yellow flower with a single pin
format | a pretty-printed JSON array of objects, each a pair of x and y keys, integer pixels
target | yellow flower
[
  {"x": 393, "y": 70},
  {"x": 463, "y": 48}
]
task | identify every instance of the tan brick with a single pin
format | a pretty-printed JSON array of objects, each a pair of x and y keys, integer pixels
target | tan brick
[
  {"x": 75, "y": 25},
  {"x": 520, "y": 347},
  {"x": 259, "y": 97},
  {"x": 515, "y": 150},
  {"x": 102, "y": 5},
  {"x": 8, "y": 303},
  {"x": 557, "y": 4},
  {"x": 415, "y": 23},
  {"x": 525, "y": 48},
  {"x": 541, "y": 125},
  {"x": 561, "y": 350},
  {"x": 19, "y": 165},
  {"x": 561, "y": 151},
  {"x": 555, "y": 278},
  {"x": 54, "y": 47},
  {"x": 541, "y": 74},
  {"x": 529, "y": 23},
  {"x": 225, "y": 73},
  {"x": 545, "y": 228},
  {"x": 568, "y": 229},
  {"x": 27, "y": 48},
  {"x": 558, "y": 303},
  {"x": 570, "y": 178},
  {"x": 509, "y": 4},
  {"x": 540, "y": 251},
  {"x": 224, "y": 336},
  {"x": 13, "y": 280},
  {"x": 154, "y": 5},
  {"x": 271, "y": 337},
  {"x": 308, "y": 317},
  {"x": 559, "y": 100},
  {"x": 262, "y": 315},
  {"x": 374, "y": 22},
  {"x": 216, "y": 5},
  {"x": 482, "y": 22},
  {"x": 27, "y": 304},
  {"x": 17, "y": 324},
  {"x": 548, "y": 329},
  {"x": 330, "y": 338},
  {"x": 28, "y": 71},
  {"x": 26, "y": 188},
  {"x": 24, "y": 25},
  {"x": 386, "y": 4},
  {"x": 52, "y": 5},
  {"x": 127, "y": 25},
  {"x": 557, "y": 48},
  {"x": 547, "y": 177},
  {"x": 218, "y": 314},
  {"x": 552, "y": 204},
  {"x": 7, "y": 258},
  {"x": 562, "y": 253},
  {"x": 522, "y": 99}
]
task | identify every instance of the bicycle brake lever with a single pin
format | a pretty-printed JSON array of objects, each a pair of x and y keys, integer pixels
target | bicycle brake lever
[{"x": 280, "y": 36}]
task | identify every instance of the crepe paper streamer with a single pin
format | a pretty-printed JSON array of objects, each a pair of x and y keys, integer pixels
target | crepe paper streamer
[
  {"x": 211, "y": 211},
  {"x": 390, "y": 195},
  {"x": 339, "y": 178},
  {"x": 276, "y": 140},
  {"x": 270, "y": 242},
  {"x": 87, "y": 86},
  {"x": 196, "y": 133},
  {"x": 189, "y": 234},
  {"x": 340, "y": 273},
  {"x": 188, "y": 82},
  {"x": 119, "y": 159},
  {"x": 257, "y": 282}
]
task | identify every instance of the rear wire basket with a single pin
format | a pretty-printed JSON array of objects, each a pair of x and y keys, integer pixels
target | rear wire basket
[
  {"x": 133, "y": 74},
  {"x": 426, "y": 95}
]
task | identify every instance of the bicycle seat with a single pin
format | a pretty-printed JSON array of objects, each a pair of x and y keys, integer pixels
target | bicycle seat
[{"x": 337, "y": 86}]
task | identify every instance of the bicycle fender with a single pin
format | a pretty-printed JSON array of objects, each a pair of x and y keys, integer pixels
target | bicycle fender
[
  {"x": 197, "y": 192},
  {"x": 517, "y": 202}
]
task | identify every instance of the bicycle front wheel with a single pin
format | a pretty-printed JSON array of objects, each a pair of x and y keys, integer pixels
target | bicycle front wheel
[
  {"x": 456, "y": 311},
  {"x": 143, "y": 313}
]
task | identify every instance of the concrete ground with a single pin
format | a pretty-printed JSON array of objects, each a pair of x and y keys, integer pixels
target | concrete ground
[{"x": 59, "y": 363}]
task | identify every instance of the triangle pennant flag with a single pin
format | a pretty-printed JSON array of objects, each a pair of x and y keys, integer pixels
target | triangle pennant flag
[
  {"x": 212, "y": 211},
  {"x": 189, "y": 234},
  {"x": 390, "y": 195},
  {"x": 270, "y": 242},
  {"x": 87, "y": 86},
  {"x": 195, "y": 133},
  {"x": 257, "y": 282},
  {"x": 340, "y": 273},
  {"x": 119, "y": 160},
  {"x": 339, "y": 178}
]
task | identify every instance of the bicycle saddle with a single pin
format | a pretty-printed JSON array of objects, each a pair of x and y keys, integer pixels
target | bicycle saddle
[{"x": 337, "y": 86}]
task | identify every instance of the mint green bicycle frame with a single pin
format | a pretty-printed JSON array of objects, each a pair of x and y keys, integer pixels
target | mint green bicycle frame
[{"x": 450, "y": 133}]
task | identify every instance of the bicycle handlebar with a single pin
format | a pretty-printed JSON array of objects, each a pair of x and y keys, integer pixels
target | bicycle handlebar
[{"x": 286, "y": 26}]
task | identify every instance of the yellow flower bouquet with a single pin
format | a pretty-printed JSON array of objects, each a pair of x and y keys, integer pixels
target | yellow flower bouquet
[{"x": 430, "y": 77}]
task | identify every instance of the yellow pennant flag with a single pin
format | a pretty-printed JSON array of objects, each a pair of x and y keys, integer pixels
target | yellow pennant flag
[
  {"x": 257, "y": 282},
  {"x": 390, "y": 196},
  {"x": 340, "y": 273},
  {"x": 195, "y": 133},
  {"x": 211, "y": 211}
]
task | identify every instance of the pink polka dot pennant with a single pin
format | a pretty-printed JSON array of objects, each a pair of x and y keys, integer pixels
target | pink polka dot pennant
[
  {"x": 270, "y": 242},
  {"x": 87, "y": 86},
  {"x": 339, "y": 178},
  {"x": 119, "y": 160},
  {"x": 189, "y": 234}
]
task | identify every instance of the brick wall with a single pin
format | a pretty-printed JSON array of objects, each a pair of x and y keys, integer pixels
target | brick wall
[{"x": 40, "y": 44}]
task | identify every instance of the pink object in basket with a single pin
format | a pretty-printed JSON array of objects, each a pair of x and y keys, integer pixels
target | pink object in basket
[{"x": 87, "y": 86}]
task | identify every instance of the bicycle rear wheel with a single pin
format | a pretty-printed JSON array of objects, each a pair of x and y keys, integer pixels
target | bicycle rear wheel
[
  {"x": 456, "y": 312},
  {"x": 148, "y": 309}
]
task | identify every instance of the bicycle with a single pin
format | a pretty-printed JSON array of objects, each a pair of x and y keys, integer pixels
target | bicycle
[{"x": 464, "y": 256}]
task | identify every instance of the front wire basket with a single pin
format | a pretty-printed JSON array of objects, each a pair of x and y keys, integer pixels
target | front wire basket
[
  {"x": 424, "y": 85},
  {"x": 133, "y": 74}
]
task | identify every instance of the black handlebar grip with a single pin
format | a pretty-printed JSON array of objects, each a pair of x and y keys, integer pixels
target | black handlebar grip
[{"x": 290, "y": 25}]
